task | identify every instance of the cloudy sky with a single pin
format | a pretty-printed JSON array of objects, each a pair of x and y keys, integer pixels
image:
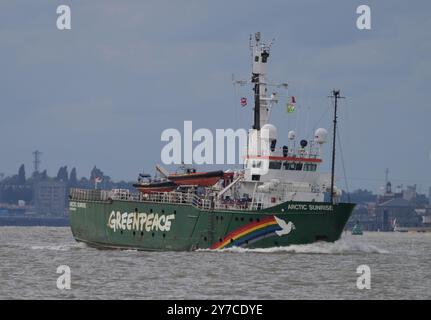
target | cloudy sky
[{"x": 102, "y": 93}]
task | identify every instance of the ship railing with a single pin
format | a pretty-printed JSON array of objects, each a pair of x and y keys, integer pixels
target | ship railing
[
  {"x": 178, "y": 198},
  {"x": 310, "y": 152},
  {"x": 300, "y": 153},
  {"x": 167, "y": 197},
  {"x": 126, "y": 195},
  {"x": 88, "y": 195},
  {"x": 302, "y": 188},
  {"x": 232, "y": 205}
]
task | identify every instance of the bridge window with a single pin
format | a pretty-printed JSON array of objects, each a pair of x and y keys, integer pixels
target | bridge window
[
  {"x": 310, "y": 167},
  {"x": 275, "y": 165},
  {"x": 255, "y": 177},
  {"x": 293, "y": 166}
]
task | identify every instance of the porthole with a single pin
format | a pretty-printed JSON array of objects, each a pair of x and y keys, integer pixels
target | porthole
[
  {"x": 142, "y": 233},
  {"x": 151, "y": 210},
  {"x": 205, "y": 238},
  {"x": 121, "y": 231},
  {"x": 251, "y": 219},
  {"x": 242, "y": 218},
  {"x": 163, "y": 211},
  {"x": 134, "y": 233},
  {"x": 152, "y": 234},
  {"x": 136, "y": 209},
  {"x": 164, "y": 235}
]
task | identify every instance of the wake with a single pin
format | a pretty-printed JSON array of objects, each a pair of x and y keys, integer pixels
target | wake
[
  {"x": 62, "y": 247},
  {"x": 342, "y": 246}
]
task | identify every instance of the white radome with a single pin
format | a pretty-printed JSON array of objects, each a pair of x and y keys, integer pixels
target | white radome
[
  {"x": 291, "y": 135},
  {"x": 272, "y": 131},
  {"x": 320, "y": 135}
]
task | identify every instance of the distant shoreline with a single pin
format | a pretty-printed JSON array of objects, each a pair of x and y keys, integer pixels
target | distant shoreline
[{"x": 25, "y": 221}]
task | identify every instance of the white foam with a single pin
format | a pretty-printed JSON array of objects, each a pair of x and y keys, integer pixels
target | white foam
[
  {"x": 339, "y": 247},
  {"x": 63, "y": 247}
]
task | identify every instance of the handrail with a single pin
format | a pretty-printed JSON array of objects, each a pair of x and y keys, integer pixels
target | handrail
[
  {"x": 201, "y": 203},
  {"x": 126, "y": 195}
]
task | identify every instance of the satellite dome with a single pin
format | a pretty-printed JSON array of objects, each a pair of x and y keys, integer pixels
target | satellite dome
[
  {"x": 291, "y": 135},
  {"x": 320, "y": 135},
  {"x": 271, "y": 129}
]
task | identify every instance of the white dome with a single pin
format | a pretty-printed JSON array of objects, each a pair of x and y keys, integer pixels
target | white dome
[
  {"x": 291, "y": 135},
  {"x": 320, "y": 135},
  {"x": 271, "y": 129}
]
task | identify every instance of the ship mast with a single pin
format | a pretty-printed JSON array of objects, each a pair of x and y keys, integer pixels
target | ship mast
[
  {"x": 262, "y": 101},
  {"x": 260, "y": 54},
  {"x": 335, "y": 95}
]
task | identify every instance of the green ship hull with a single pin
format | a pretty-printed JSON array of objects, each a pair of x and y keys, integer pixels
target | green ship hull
[{"x": 129, "y": 224}]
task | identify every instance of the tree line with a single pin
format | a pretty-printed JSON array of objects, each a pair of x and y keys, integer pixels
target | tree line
[{"x": 20, "y": 187}]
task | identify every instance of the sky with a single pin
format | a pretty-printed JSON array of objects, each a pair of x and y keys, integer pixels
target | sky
[{"x": 103, "y": 92}]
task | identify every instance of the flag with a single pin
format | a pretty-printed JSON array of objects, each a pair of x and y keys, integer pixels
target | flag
[
  {"x": 290, "y": 108},
  {"x": 293, "y": 100},
  {"x": 243, "y": 101},
  {"x": 98, "y": 179}
]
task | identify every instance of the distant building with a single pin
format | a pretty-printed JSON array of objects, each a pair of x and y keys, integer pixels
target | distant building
[
  {"x": 363, "y": 215},
  {"x": 388, "y": 194},
  {"x": 409, "y": 193},
  {"x": 399, "y": 211},
  {"x": 50, "y": 197}
]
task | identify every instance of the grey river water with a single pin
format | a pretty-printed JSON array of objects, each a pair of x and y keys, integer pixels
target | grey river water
[{"x": 400, "y": 266}]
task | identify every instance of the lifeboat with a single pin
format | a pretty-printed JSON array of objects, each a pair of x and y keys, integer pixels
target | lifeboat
[
  {"x": 148, "y": 185},
  {"x": 191, "y": 177},
  {"x": 156, "y": 186}
]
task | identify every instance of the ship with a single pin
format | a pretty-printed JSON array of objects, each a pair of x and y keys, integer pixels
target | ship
[
  {"x": 277, "y": 198},
  {"x": 357, "y": 229}
]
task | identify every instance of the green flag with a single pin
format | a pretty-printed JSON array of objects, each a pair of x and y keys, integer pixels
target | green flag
[{"x": 290, "y": 108}]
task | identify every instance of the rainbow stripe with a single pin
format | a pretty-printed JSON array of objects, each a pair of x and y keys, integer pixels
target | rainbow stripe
[{"x": 249, "y": 233}]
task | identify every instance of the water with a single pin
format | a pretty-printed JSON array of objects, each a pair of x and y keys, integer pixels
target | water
[{"x": 400, "y": 269}]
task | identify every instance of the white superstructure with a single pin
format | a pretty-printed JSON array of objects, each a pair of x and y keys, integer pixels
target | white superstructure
[{"x": 275, "y": 174}]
